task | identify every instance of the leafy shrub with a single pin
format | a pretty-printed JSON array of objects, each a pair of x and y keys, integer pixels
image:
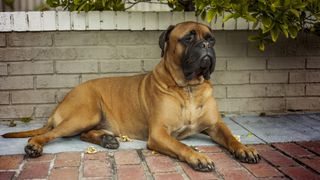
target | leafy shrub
[
  {"x": 270, "y": 17},
  {"x": 88, "y": 5}
]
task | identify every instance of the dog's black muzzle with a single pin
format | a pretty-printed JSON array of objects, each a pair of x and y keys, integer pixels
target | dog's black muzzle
[{"x": 199, "y": 59}]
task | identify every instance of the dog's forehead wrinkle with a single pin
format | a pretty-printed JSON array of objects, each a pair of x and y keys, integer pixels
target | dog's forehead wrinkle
[{"x": 187, "y": 28}]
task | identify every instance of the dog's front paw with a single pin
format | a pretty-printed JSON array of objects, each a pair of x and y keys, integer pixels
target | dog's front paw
[
  {"x": 200, "y": 162},
  {"x": 33, "y": 150},
  {"x": 110, "y": 142},
  {"x": 246, "y": 154}
]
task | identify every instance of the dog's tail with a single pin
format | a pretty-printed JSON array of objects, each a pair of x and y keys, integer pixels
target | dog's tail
[{"x": 30, "y": 133}]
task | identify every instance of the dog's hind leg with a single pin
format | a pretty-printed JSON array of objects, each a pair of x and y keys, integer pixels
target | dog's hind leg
[
  {"x": 101, "y": 137},
  {"x": 69, "y": 127}
]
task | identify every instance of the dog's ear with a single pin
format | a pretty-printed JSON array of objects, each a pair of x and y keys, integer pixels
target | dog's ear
[{"x": 164, "y": 38}]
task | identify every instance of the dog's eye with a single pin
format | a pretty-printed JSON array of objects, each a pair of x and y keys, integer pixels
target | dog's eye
[
  {"x": 188, "y": 39},
  {"x": 211, "y": 40}
]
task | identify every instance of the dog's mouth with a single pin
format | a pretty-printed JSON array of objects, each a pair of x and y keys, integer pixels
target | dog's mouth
[{"x": 198, "y": 60}]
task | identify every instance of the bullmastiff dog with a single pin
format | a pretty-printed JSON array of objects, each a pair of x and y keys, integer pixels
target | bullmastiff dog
[{"x": 170, "y": 103}]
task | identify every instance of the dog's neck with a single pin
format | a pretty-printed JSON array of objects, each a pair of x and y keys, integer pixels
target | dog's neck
[{"x": 176, "y": 77}]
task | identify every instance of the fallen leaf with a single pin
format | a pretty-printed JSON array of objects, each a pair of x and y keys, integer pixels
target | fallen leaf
[
  {"x": 237, "y": 137},
  {"x": 124, "y": 138},
  {"x": 154, "y": 152},
  {"x": 26, "y": 119},
  {"x": 195, "y": 148},
  {"x": 12, "y": 123},
  {"x": 91, "y": 150}
]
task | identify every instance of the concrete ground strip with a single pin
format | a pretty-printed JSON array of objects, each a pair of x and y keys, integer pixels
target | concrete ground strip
[{"x": 251, "y": 129}]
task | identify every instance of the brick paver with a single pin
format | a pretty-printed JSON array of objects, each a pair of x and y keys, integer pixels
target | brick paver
[
  {"x": 35, "y": 170},
  {"x": 10, "y": 162},
  {"x": 43, "y": 158},
  {"x": 262, "y": 169},
  {"x": 160, "y": 164},
  {"x": 299, "y": 172},
  {"x": 293, "y": 150},
  {"x": 127, "y": 157},
  {"x": 96, "y": 168},
  {"x": 223, "y": 162},
  {"x": 313, "y": 163},
  {"x": 67, "y": 159},
  {"x": 238, "y": 174},
  {"x": 277, "y": 158},
  {"x": 313, "y": 146},
  {"x": 168, "y": 176},
  {"x": 195, "y": 175},
  {"x": 298, "y": 161},
  {"x": 130, "y": 172},
  {"x": 6, "y": 175},
  {"x": 61, "y": 173}
]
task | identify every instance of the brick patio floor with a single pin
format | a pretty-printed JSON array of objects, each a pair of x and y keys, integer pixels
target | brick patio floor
[{"x": 299, "y": 160}]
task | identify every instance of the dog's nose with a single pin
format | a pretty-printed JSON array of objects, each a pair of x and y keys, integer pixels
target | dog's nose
[{"x": 205, "y": 62}]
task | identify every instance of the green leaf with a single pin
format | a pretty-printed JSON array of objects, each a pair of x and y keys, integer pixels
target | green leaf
[
  {"x": 254, "y": 38},
  {"x": 250, "y": 18},
  {"x": 293, "y": 32},
  {"x": 262, "y": 1},
  {"x": 300, "y": 5},
  {"x": 267, "y": 29},
  {"x": 261, "y": 46},
  {"x": 227, "y": 17},
  {"x": 53, "y": 3},
  {"x": 104, "y": 3},
  {"x": 273, "y": 8},
  {"x": 284, "y": 29},
  {"x": 82, "y": 6},
  {"x": 295, "y": 12},
  {"x": 249, "y": 134},
  {"x": 266, "y": 21},
  {"x": 211, "y": 14},
  {"x": 287, "y": 3},
  {"x": 255, "y": 24},
  {"x": 76, "y": 2},
  {"x": 274, "y": 34}
]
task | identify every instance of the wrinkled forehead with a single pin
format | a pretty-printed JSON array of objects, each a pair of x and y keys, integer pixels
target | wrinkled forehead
[{"x": 185, "y": 28}]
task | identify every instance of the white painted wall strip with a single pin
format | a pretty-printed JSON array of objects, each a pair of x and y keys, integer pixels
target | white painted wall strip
[
  {"x": 151, "y": 21},
  {"x": 64, "y": 21},
  {"x": 34, "y": 21},
  {"x": 122, "y": 20},
  {"x": 5, "y": 22},
  {"x": 93, "y": 19},
  {"x": 106, "y": 20},
  {"x": 136, "y": 21},
  {"x": 49, "y": 20},
  {"x": 78, "y": 20},
  {"x": 20, "y": 21}
]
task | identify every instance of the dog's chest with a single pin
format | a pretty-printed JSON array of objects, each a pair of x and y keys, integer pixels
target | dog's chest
[{"x": 190, "y": 113}]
